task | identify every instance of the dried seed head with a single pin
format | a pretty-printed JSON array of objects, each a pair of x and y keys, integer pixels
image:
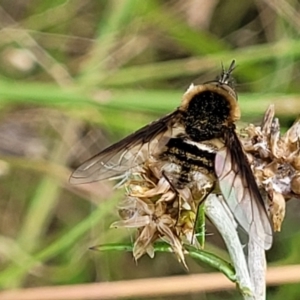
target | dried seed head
[
  {"x": 152, "y": 206},
  {"x": 275, "y": 161}
]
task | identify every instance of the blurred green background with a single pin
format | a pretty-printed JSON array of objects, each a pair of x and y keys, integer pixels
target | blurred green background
[{"x": 78, "y": 75}]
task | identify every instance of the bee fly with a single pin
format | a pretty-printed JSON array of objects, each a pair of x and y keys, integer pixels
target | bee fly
[{"x": 196, "y": 147}]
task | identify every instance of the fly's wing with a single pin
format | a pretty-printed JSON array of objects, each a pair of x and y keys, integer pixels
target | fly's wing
[
  {"x": 238, "y": 186},
  {"x": 128, "y": 153}
]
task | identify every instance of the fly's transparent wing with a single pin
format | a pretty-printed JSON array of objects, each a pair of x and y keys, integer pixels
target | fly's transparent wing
[
  {"x": 127, "y": 153},
  {"x": 238, "y": 186}
]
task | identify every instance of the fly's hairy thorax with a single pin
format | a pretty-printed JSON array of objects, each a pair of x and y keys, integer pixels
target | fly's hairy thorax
[{"x": 206, "y": 116}]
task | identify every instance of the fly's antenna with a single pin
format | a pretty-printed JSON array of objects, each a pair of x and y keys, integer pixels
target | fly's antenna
[{"x": 225, "y": 77}]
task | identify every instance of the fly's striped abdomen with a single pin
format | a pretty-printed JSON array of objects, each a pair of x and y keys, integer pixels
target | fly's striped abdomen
[{"x": 190, "y": 158}]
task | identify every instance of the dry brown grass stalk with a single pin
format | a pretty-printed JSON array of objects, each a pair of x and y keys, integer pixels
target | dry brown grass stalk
[{"x": 151, "y": 287}]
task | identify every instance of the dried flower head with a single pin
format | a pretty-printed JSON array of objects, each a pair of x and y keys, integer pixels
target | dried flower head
[
  {"x": 275, "y": 162},
  {"x": 158, "y": 211}
]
